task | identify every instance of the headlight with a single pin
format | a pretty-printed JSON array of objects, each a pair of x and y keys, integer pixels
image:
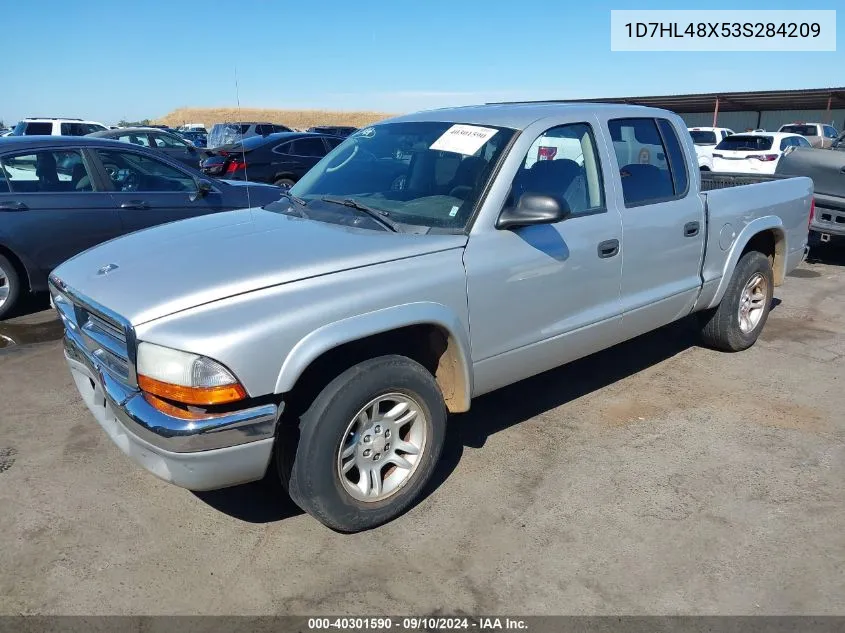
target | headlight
[{"x": 184, "y": 377}]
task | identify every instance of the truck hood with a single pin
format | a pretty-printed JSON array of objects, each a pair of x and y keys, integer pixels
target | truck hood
[{"x": 176, "y": 266}]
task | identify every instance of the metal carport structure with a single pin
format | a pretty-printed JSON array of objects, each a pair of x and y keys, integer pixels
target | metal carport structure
[{"x": 769, "y": 107}]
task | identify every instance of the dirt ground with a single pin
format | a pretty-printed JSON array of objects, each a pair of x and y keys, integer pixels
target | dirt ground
[{"x": 657, "y": 477}]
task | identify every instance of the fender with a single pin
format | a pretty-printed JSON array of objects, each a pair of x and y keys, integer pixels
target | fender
[
  {"x": 33, "y": 273},
  {"x": 751, "y": 229},
  {"x": 360, "y": 326}
]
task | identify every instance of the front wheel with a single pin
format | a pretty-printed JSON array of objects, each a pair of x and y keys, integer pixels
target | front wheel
[
  {"x": 368, "y": 444},
  {"x": 738, "y": 321}
]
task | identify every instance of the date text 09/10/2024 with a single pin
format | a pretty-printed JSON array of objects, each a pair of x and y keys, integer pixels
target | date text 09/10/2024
[{"x": 417, "y": 623}]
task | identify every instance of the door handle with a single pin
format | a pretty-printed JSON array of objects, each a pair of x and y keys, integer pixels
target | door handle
[
  {"x": 135, "y": 204},
  {"x": 13, "y": 205},
  {"x": 691, "y": 229},
  {"x": 608, "y": 248}
]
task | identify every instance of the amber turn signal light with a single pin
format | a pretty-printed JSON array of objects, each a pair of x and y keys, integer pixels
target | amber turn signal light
[{"x": 203, "y": 396}]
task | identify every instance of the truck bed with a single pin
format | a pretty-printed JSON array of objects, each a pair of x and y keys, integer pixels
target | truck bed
[
  {"x": 720, "y": 180},
  {"x": 738, "y": 204}
]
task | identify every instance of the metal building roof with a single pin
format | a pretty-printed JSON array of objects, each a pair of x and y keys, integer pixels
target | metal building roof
[{"x": 760, "y": 101}]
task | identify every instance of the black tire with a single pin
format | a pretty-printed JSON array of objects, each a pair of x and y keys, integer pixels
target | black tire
[
  {"x": 285, "y": 182},
  {"x": 309, "y": 469},
  {"x": 720, "y": 326},
  {"x": 9, "y": 279}
]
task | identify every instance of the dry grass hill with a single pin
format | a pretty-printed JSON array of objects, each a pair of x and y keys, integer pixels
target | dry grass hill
[{"x": 298, "y": 119}]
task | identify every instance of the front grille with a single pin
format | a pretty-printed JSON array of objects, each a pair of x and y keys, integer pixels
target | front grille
[
  {"x": 108, "y": 328},
  {"x": 108, "y": 339}
]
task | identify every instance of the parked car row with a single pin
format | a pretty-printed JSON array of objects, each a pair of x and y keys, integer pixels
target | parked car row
[
  {"x": 756, "y": 151},
  {"x": 62, "y": 195}
]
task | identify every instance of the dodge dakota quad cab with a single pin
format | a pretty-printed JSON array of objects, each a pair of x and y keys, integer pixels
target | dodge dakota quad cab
[{"x": 426, "y": 260}]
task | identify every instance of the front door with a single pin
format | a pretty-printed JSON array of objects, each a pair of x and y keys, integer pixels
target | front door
[
  {"x": 148, "y": 191},
  {"x": 540, "y": 296},
  {"x": 663, "y": 224}
]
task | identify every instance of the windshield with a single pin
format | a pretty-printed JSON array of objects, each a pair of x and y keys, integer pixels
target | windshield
[
  {"x": 702, "y": 137},
  {"x": 740, "y": 142},
  {"x": 424, "y": 173}
]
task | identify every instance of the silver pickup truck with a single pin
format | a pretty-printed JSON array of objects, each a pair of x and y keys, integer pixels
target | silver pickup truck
[{"x": 426, "y": 260}]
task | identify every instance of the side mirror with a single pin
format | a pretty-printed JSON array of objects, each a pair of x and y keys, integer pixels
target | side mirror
[
  {"x": 203, "y": 189},
  {"x": 533, "y": 208}
]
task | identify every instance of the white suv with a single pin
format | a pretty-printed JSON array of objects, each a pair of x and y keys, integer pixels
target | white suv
[
  {"x": 705, "y": 139},
  {"x": 56, "y": 127}
]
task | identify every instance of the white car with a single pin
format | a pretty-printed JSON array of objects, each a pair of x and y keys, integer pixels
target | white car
[
  {"x": 56, "y": 127},
  {"x": 705, "y": 139},
  {"x": 754, "y": 152}
]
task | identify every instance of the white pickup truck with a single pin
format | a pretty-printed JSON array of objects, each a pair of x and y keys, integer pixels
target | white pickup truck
[{"x": 336, "y": 328}]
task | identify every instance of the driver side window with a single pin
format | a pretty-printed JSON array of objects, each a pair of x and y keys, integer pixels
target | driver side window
[
  {"x": 563, "y": 163},
  {"x": 129, "y": 171}
]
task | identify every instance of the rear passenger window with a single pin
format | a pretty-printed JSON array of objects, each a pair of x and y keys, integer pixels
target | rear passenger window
[
  {"x": 45, "y": 171},
  {"x": 677, "y": 164},
  {"x": 643, "y": 162},
  {"x": 136, "y": 138},
  {"x": 38, "y": 129},
  {"x": 74, "y": 129},
  {"x": 563, "y": 163},
  {"x": 308, "y": 147}
]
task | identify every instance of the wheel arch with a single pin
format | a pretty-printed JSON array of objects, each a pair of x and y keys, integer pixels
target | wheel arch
[
  {"x": 765, "y": 235},
  {"x": 429, "y": 333},
  {"x": 20, "y": 266}
]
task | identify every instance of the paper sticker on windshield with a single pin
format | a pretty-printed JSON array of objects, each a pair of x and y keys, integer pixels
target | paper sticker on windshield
[{"x": 463, "y": 139}]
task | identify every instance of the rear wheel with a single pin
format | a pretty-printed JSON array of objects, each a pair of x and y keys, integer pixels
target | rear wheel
[
  {"x": 738, "y": 320},
  {"x": 367, "y": 445},
  {"x": 285, "y": 182},
  {"x": 10, "y": 287}
]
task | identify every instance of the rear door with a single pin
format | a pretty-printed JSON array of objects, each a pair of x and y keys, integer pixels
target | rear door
[
  {"x": 293, "y": 159},
  {"x": 662, "y": 224},
  {"x": 149, "y": 191},
  {"x": 308, "y": 151},
  {"x": 52, "y": 206}
]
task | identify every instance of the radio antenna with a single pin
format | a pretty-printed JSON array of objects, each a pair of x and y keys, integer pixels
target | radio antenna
[{"x": 243, "y": 151}]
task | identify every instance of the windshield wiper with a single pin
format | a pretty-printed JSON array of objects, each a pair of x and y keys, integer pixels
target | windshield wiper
[
  {"x": 378, "y": 215},
  {"x": 299, "y": 201}
]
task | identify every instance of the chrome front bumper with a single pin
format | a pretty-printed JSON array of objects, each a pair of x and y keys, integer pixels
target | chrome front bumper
[{"x": 203, "y": 454}]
